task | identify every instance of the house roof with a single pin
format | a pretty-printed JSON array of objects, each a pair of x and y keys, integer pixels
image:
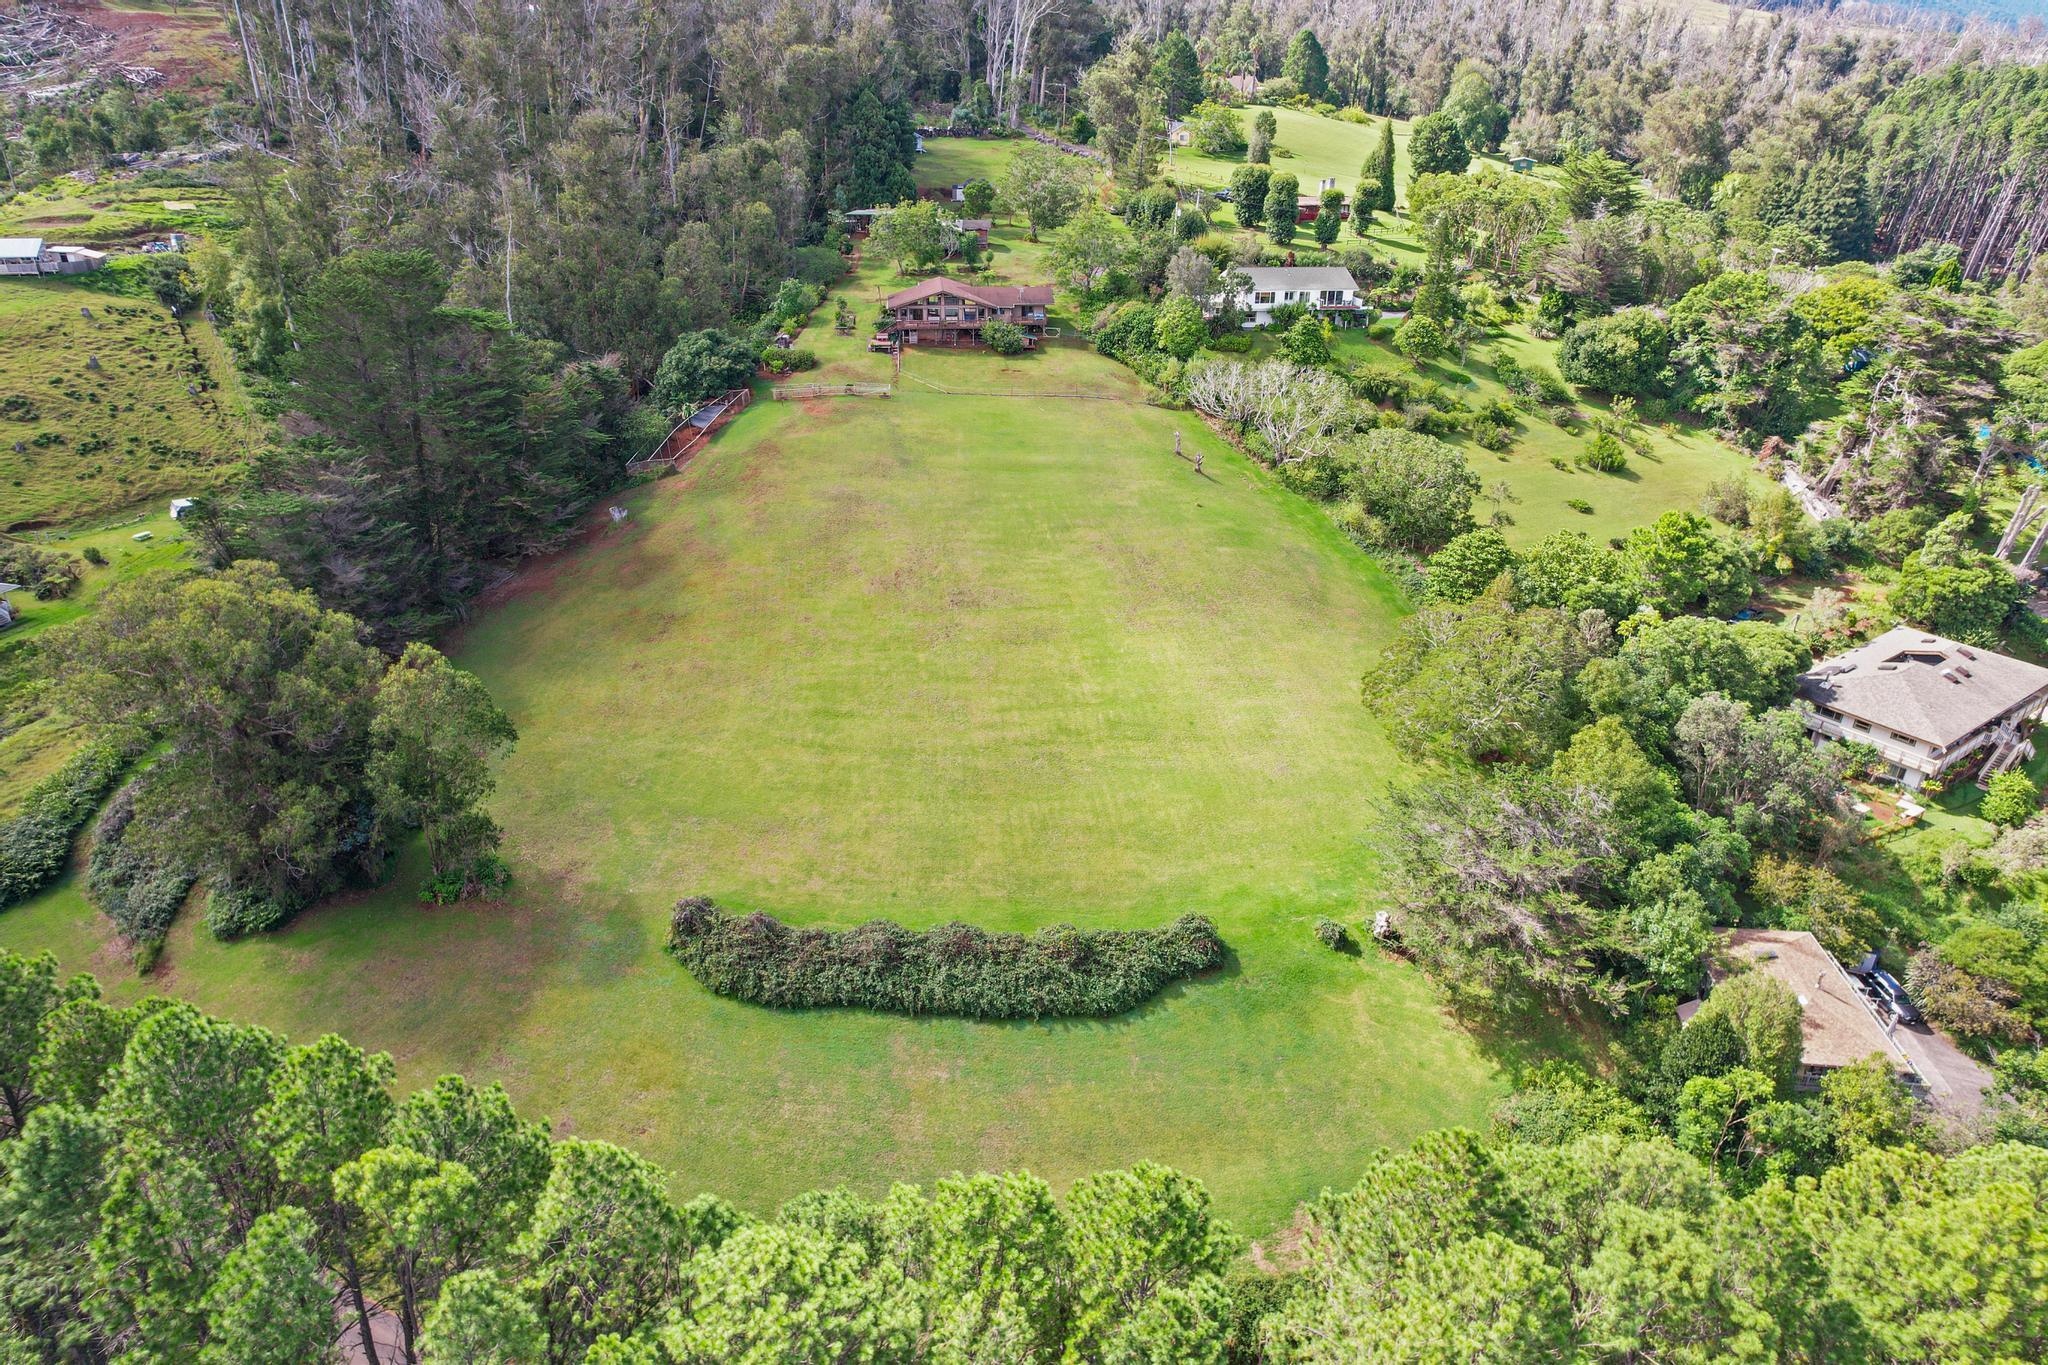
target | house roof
[
  {"x": 992, "y": 295},
  {"x": 974, "y": 224},
  {"x": 1921, "y": 685},
  {"x": 20, "y": 248},
  {"x": 1837, "y": 1027},
  {"x": 1298, "y": 277},
  {"x": 10, "y": 587}
]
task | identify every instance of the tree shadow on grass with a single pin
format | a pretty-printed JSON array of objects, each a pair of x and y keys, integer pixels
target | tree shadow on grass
[{"x": 1518, "y": 1043}]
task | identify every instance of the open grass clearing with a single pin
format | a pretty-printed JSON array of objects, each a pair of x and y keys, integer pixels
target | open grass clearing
[
  {"x": 109, "y": 213},
  {"x": 1312, "y": 148},
  {"x": 1681, "y": 461},
  {"x": 928, "y": 657},
  {"x": 34, "y": 736},
  {"x": 948, "y": 161}
]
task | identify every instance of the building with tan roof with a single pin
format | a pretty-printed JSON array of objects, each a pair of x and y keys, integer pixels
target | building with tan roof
[
  {"x": 1838, "y": 1025},
  {"x": 1926, "y": 703}
]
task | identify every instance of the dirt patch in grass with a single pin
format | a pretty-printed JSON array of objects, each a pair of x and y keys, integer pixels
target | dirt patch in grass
[{"x": 543, "y": 570}]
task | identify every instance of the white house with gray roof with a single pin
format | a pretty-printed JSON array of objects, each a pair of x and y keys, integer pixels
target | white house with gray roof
[
  {"x": 1926, "y": 703},
  {"x": 1325, "y": 289}
]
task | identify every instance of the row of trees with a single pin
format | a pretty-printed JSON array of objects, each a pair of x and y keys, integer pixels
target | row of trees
[
  {"x": 1794, "y": 121},
  {"x": 174, "y": 1186}
]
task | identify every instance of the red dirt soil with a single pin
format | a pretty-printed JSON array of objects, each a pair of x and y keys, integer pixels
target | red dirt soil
[{"x": 192, "y": 47}]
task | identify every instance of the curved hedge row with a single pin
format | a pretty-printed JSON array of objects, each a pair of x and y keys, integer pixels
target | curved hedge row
[{"x": 949, "y": 969}]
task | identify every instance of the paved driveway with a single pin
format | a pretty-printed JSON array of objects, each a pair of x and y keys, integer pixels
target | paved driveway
[{"x": 1955, "y": 1084}]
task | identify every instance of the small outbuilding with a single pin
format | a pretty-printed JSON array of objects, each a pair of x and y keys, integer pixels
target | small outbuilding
[
  {"x": 8, "y": 615},
  {"x": 21, "y": 255},
  {"x": 179, "y": 507},
  {"x": 71, "y": 260},
  {"x": 1522, "y": 165}
]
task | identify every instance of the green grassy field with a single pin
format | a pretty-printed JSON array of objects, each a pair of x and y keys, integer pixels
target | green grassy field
[
  {"x": 1682, "y": 459},
  {"x": 927, "y": 657},
  {"x": 953, "y": 160},
  {"x": 129, "y": 432},
  {"x": 1311, "y": 148},
  {"x": 112, "y": 213},
  {"x": 34, "y": 737}
]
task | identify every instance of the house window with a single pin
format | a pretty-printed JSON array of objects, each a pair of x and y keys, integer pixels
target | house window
[
  {"x": 1333, "y": 296},
  {"x": 1287, "y": 297},
  {"x": 1861, "y": 724},
  {"x": 1263, "y": 296}
]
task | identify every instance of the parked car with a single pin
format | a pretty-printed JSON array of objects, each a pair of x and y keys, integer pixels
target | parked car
[
  {"x": 1884, "y": 989},
  {"x": 1893, "y": 996}
]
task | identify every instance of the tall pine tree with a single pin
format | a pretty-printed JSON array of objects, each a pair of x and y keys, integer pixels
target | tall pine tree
[
  {"x": 1178, "y": 74},
  {"x": 1379, "y": 165},
  {"x": 880, "y": 142},
  {"x": 439, "y": 441},
  {"x": 1308, "y": 66}
]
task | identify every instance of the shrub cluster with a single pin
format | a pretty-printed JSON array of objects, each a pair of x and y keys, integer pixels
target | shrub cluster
[
  {"x": 778, "y": 361},
  {"x": 43, "y": 572},
  {"x": 952, "y": 969},
  {"x": 36, "y": 842},
  {"x": 137, "y": 890},
  {"x": 234, "y": 912},
  {"x": 1004, "y": 338}
]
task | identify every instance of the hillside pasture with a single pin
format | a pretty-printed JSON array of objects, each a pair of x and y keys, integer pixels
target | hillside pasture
[
  {"x": 1680, "y": 461},
  {"x": 161, "y": 416},
  {"x": 112, "y": 213},
  {"x": 1313, "y": 147}
]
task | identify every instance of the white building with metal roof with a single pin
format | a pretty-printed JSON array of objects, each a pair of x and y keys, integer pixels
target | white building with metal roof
[
  {"x": 1327, "y": 289},
  {"x": 21, "y": 255}
]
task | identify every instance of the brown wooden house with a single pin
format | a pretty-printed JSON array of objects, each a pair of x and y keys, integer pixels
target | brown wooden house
[{"x": 945, "y": 312}]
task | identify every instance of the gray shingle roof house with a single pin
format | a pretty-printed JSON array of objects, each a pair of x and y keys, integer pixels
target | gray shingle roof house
[
  {"x": 1926, "y": 703},
  {"x": 1322, "y": 288}
]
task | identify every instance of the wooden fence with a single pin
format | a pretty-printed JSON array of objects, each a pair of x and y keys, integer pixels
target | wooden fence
[{"x": 786, "y": 392}]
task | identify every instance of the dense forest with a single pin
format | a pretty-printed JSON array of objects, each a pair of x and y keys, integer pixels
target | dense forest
[{"x": 179, "y": 1187}]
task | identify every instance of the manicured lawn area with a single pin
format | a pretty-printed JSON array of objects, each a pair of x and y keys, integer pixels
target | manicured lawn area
[
  {"x": 1310, "y": 148},
  {"x": 1682, "y": 460},
  {"x": 129, "y": 432},
  {"x": 954, "y": 160},
  {"x": 927, "y": 657}
]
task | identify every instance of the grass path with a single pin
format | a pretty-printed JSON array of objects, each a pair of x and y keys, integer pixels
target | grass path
[{"x": 927, "y": 657}]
